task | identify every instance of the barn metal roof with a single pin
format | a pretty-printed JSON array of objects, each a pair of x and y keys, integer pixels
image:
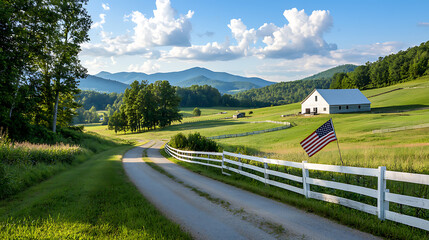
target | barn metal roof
[{"x": 341, "y": 96}]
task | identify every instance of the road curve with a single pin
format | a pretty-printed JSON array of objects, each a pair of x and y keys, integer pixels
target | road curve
[{"x": 194, "y": 201}]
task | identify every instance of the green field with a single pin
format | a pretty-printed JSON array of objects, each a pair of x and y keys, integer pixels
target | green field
[
  {"x": 187, "y": 111},
  {"x": 406, "y": 150},
  {"x": 402, "y": 151},
  {"x": 93, "y": 200}
]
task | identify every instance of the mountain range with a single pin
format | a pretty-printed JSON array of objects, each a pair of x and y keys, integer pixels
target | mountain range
[
  {"x": 224, "y": 82},
  {"x": 101, "y": 84}
]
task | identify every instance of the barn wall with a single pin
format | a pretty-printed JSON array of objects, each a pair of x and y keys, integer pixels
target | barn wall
[
  {"x": 321, "y": 105},
  {"x": 351, "y": 108}
]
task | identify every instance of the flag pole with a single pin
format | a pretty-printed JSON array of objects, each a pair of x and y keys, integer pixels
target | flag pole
[{"x": 342, "y": 163}]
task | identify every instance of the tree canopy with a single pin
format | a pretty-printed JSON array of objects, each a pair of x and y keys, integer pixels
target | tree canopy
[
  {"x": 146, "y": 106},
  {"x": 395, "y": 68},
  {"x": 39, "y": 45}
]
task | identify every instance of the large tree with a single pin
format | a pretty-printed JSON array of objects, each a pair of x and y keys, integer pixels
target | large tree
[
  {"x": 23, "y": 24},
  {"x": 167, "y": 103},
  {"x": 72, "y": 26}
]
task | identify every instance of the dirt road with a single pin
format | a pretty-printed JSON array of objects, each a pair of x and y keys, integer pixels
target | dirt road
[{"x": 209, "y": 209}]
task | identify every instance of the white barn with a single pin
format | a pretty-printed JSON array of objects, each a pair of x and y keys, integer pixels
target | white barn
[{"x": 329, "y": 101}]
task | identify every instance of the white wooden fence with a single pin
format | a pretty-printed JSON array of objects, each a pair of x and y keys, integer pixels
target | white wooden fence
[
  {"x": 286, "y": 125},
  {"x": 226, "y": 162}
]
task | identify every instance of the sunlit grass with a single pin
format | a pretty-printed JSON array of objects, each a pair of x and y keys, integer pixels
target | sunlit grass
[{"x": 94, "y": 200}]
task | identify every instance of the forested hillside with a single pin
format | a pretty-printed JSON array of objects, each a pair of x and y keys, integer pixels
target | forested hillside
[
  {"x": 101, "y": 84},
  {"x": 289, "y": 92},
  {"x": 223, "y": 87},
  {"x": 204, "y": 96},
  {"x": 280, "y": 93},
  {"x": 330, "y": 72},
  {"x": 98, "y": 99},
  {"x": 400, "y": 67}
]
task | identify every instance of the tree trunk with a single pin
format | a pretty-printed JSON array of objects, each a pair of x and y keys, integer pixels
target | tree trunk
[
  {"x": 13, "y": 104},
  {"x": 54, "y": 122}
]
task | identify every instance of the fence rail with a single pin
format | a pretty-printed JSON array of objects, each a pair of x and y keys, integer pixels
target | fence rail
[
  {"x": 233, "y": 162},
  {"x": 425, "y": 125},
  {"x": 286, "y": 125}
]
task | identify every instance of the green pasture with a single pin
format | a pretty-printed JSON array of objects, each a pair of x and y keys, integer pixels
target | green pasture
[
  {"x": 94, "y": 200},
  {"x": 187, "y": 111},
  {"x": 206, "y": 128},
  {"x": 402, "y": 151},
  {"x": 406, "y": 150}
]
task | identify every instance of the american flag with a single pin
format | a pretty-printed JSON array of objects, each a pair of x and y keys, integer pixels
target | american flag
[{"x": 319, "y": 138}]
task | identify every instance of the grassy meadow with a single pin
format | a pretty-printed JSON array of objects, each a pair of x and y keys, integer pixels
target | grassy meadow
[
  {"x": 408, "y": 150},
  {"x": 401, "y": 151},
  {"x": 93, "y": 200},
  {"x": 187, "y": 111}
]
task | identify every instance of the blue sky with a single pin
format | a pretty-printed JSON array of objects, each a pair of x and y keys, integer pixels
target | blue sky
[{"x": 274, "y": 40}]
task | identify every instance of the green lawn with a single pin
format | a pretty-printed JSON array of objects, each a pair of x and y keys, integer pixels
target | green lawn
[
  {"x": 402, "y": 151},
  {"x": 187, "y": 111},
  {"x": 94, "y": 200}
]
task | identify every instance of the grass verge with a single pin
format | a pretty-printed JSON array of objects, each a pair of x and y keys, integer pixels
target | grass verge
[
  {"x": 350, "y": 217},
  {"x": 93, "y": 200}
]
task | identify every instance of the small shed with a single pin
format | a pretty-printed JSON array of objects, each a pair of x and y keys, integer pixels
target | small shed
[
  {"x": 239, "y": 115},
  {"x": 329, "y": 101}
]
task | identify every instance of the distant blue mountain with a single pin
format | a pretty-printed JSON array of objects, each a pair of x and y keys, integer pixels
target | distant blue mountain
[
  {"x": 101, "y": 85},
  {"x": 176, "y": 77},
  {"x": 223, "y": 87}
]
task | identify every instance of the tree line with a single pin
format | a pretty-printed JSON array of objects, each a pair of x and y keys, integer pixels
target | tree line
[
  {"x": 395, "y": 68},
  {"x": 280, "y": 93},
  {"x": 91, "y": 101},
  {"x": 99, "y": 100},
  {"x": 39, "y": 43},
  {"x": 205, "y": 96},
  {"x": 146, "y": 106}
]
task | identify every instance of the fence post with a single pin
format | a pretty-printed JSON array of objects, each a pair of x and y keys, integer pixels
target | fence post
[
  {"x": 305, "y": 174},
  {"x": 381, "y": 189},
  {"x": 223, "y": 160},
  {"x": 239, "y": 166},
  {"x": 386, "y": 203},
  {"x": 265, "y": 173}
]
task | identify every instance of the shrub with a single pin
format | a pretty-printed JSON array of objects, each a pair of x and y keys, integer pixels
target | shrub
[
  {"x": 196, "y": 112},
  {"x": 194, "y": 142},
  {"x": 250, "y": 112},
  {"x": 179, "y": 141}
]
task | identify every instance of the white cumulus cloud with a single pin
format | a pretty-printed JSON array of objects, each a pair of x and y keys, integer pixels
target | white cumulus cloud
[
  {"x": 213, "y": 51},
  {"x": 105, "y": 6},
  {"x": 147, "y": 67},
  {"x": 302, "y": 35},
  {"x": 100, "y": 23},
  {"x": 163, "y": 29}
]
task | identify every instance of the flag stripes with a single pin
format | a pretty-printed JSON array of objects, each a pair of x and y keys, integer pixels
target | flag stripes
[{"x": 319, "y": 139}]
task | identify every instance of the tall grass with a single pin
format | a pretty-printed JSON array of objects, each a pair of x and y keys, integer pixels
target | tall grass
[
  {"x": 25, "y": 164},
  {"x": 28, "y": 153},
  {"x": 93, "y": 200}
]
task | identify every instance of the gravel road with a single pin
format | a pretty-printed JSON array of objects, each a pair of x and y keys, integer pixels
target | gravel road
[{"x": 209, "y": 209}]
